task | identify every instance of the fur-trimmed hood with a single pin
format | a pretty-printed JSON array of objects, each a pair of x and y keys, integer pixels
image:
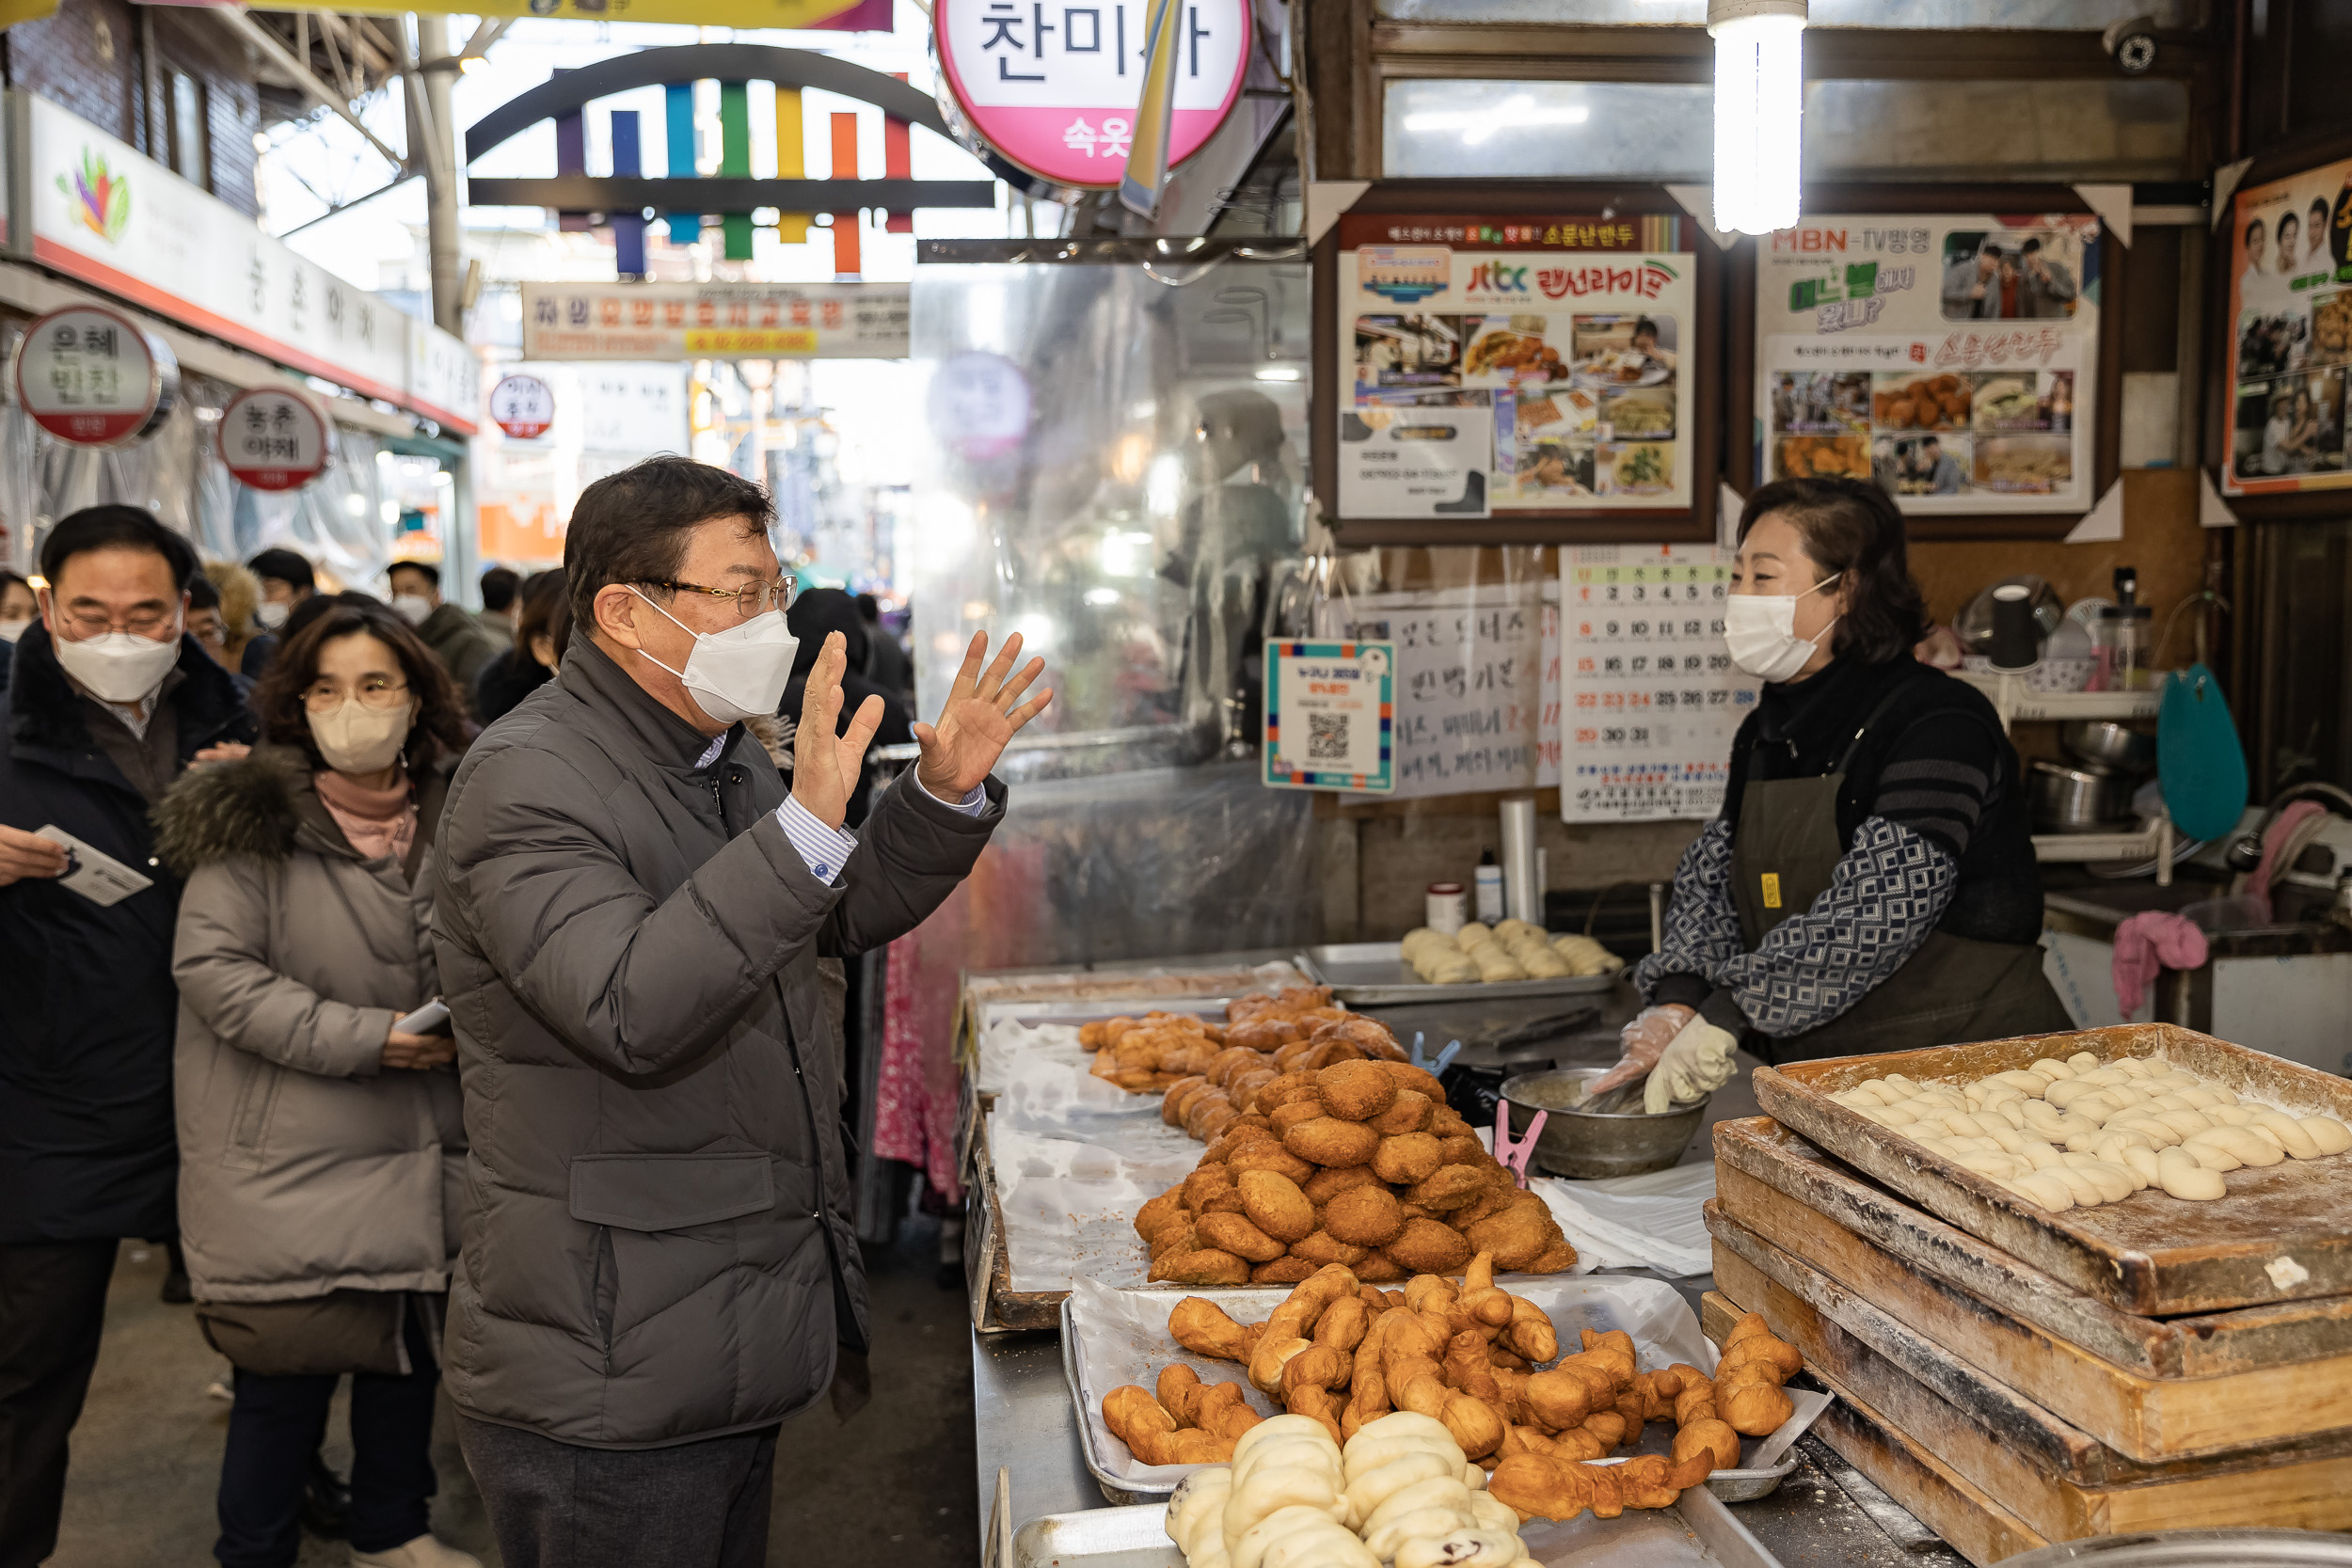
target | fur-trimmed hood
[
  {"x": 259, "y": 806},
  {"x": 248, "y": 807}
]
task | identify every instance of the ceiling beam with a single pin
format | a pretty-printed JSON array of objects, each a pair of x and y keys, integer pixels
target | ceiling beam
[
  {"x": 588, "y": 193},
  {"x": 275, "y": 50}
]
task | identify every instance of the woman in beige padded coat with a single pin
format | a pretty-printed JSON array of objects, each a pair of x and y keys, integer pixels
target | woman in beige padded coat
[{"x": 321, "y": 1148}]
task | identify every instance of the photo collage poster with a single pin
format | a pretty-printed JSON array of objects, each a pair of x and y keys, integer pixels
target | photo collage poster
[
  {"x": 1524, "y": 366},
  {"x": 1649, "y": 696},
  {"x": 1952, "y": 358},
  {"x": 2291, "y": 333}
]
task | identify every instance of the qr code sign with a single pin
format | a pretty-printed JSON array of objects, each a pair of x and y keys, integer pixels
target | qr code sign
[{"x": 1327, "y": 737}]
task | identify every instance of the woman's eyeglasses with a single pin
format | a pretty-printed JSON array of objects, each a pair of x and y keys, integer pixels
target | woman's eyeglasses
[{"x": 372, "y": 690}]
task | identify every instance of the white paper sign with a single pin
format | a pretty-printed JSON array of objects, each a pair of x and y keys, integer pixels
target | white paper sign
[
  {"x": 1468, "y": 682},
  {"x": 1651, "y": 698},
  {"x": 1548, "y": 698},
  {"x": 1326, "y": 715},
  {"x": 1415, "y": 462}
]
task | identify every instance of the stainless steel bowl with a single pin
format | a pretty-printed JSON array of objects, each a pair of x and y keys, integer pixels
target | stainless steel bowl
[
  {"x": 1585, "y": 1145},
  {"x": 2107, "y": 744},
  {"x": 2078, "y": 799}
]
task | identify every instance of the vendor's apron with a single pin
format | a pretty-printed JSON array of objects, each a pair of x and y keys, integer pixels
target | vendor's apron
[{"x": 1950, "y": 991}]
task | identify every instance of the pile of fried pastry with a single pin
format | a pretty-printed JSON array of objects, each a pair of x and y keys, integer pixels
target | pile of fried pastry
[
  {"x": 1360, "y": 1163},
  {"x": 1261, "y": 1032},
  {"x": 1481, "y": 1364}
]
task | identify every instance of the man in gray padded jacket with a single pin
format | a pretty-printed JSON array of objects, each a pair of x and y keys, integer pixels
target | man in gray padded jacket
[{"x": 658, "y": 1260}]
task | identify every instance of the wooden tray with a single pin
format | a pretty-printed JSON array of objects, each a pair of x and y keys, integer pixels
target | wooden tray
[
  {"x": 1789, "y": 1192},
  {"x": 1970, "y": 1522},
  {"x": 997, "y": 1307},
  {"x": 2150, "y": 1420},
  {"x": 2150, "y": 1254},
  {"x": 2051, "y": 1475}
]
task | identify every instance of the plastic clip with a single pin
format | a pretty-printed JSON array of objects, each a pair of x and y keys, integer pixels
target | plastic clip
[
  {"x": 1445, "y": 1058},
  {"x": 1512, "y": 1156}
]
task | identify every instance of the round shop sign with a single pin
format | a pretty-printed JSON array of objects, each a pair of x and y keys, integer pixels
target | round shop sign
[
  {"x": 93, "y": 378},
  {"x": 523, "y": 406},
  {"x": 1053, "y": 86},
  {"x": 273, "y": 439}
]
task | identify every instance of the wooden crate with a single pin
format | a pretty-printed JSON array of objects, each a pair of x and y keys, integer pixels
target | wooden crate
[
  {"x": 1789, "y": 1192},
  {"x": 2279, "y": 1235},
  {"x": 2048, "y": 1474},
  {"x": 1971, "y": 1523}
]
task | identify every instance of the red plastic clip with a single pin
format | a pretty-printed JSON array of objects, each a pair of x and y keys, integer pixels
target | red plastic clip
[{"x": 1513, "y": 1155}]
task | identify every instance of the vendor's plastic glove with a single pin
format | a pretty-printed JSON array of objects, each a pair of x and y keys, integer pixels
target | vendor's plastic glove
[
  {"x": 1643, "y": 1040},
  {"x": 1697, "y": 1063}
]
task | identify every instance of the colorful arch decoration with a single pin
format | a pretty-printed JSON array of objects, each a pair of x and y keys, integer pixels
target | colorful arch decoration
[{"x": 686, "y": 197}]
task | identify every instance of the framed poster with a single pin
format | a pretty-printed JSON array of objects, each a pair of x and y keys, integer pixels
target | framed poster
[
  {"x": 1328, "y": 710},
  {"x": 1649, "y": 696},
  {"x": 1499, "y": 372},
  {"x": 1953, "y": 356},
  {"x": 2290, "y": 333}
]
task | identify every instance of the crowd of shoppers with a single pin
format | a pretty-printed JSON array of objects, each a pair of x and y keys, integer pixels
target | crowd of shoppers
[{"x": 495, "y": 1056}]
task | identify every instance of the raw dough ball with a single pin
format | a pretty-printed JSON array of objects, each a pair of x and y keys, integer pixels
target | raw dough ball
[
  {"x": 2332, "y": 1135},
  {"x": 2180, "y": 1175}
]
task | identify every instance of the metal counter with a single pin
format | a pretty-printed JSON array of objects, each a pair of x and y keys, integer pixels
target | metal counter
[{"x": 1824, "y": 1516}]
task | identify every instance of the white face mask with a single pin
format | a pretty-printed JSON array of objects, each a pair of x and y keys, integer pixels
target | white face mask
[
  {"x": 412, "y": 608},
  {"x": 11, "y": 630},
  {"x": 356, "y": 738},
  {"x": 1761, "y": 631},
  {"x": 272, "y": 616},
  {"x": 739, "y": 674},
  {"x": 120, "y": 666}
]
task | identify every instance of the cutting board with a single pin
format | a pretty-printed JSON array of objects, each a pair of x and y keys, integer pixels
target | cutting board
[
  {"x": 2279, "y": 1234},
  {"x": 1789, "y": 1192},
  {"x": 1956, "y": 1509},
  {"x": 2049, "y": 1474}
]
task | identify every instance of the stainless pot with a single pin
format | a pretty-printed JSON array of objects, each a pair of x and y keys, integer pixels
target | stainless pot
[
  {"x": 2078, "y": 799},
  {"x": 2104, "y": 743},
  {"x": 1584, "y": 1145}
]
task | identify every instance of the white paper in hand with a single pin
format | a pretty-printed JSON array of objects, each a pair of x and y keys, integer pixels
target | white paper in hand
[{"x": 92, "y": 873}]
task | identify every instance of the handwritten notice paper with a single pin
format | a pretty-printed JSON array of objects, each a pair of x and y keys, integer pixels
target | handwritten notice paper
[
  {"x": 1469, "y": 678},
  {"x": 1651, "y": 698},
  {"x": 1547, "y": 719}
]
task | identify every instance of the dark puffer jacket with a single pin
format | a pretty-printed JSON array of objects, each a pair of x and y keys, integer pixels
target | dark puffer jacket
[
  {"x": 657, "y": 1243},
  {"x": 87, "y": 1000}
]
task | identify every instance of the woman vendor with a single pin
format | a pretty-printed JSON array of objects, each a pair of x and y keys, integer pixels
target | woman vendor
[{"x": 1870, "y": 884}]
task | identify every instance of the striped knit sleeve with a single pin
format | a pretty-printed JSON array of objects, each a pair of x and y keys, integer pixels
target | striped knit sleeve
[
  {"x": 1939, "y": 779},
  {"x": 1701, "y": 927}
]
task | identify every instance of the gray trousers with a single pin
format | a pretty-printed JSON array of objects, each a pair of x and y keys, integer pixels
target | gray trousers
[{"x": 555, "y": 1505}]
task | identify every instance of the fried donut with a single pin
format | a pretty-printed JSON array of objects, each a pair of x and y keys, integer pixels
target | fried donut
[
  {"x": 1367, "y": 1216},
  {"x": 1332, "y": 1143},
  {"x": 1354, "y": 1091},
  {"x": 1233, "y": 1233},
  {"x": 1428, "y": 1247},
  {"x": 1329, "y": 1183},
  {"x": 1276, "y": 1205},
  {"x": 1406, "y": 1159}
]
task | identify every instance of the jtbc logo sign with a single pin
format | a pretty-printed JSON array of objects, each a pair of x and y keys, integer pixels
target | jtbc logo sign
[{"x": 1493, "y": 278}]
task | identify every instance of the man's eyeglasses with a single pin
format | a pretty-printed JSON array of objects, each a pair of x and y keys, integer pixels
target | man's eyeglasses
[
  {"x": 757, "y": 599},
  {"x": 372, "y": 690},
  {"x": 82, "y": 624}
]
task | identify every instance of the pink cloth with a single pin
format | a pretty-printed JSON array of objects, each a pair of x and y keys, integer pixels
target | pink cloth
[
  {"x": 2295, "y": 816},
  {"x": 378, "y": 822},
  {"x": 2148, "y": 943}
]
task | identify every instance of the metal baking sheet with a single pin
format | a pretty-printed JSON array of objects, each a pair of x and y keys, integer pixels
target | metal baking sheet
[
  {"x": 1374, "y": 973},
  {"x": 1697, "y": 1532}
]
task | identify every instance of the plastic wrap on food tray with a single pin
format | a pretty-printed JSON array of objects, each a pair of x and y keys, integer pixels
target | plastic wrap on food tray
[
  {"x": 1119, "y": 1336},
  {"x": 1070, "y": 1207},
  {"x": 1625, "y": 1222}
]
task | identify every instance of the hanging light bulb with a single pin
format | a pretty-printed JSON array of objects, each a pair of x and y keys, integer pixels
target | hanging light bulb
[{"x": 1759, "y": 111}]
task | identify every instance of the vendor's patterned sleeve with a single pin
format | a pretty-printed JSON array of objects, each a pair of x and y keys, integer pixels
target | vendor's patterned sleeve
[
  {"x": 1702, "y": 927},
  {"x": 1883, "y": 900}
]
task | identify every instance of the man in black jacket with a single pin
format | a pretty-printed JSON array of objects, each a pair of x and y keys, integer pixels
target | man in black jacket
[{"x": 109, "y": 702}]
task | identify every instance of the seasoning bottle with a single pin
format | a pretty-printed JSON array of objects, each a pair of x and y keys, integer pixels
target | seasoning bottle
[
  {"x": 1448, "y": 908},
  {"x": 1489, "y": 888},
  {"x": 2119, "y": 646}
]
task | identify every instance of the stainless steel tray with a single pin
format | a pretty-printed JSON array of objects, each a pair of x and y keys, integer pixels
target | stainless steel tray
[
  {"x": 1697, "y": 1532},
  {"x": 1374, "y": 973},
  {"x": 2195, "y": 1548}
]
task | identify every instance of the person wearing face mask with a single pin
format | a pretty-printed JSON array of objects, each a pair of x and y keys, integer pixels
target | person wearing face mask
[
  {"x": 287, "y": 580},
  {"x": 319, "y": 1232},
  {"x": 659, "y": 1262},
  {"x": 455, "y": 636},
  {"x": 542, "y": 621},
  {"x": 1870, "y": 884},
  {"x": 18, "y": 605},
  {"x": 109, "y": 702}
]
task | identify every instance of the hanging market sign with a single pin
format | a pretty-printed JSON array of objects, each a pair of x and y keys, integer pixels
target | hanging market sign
[
  {"x": 1056, "y": 88},
  {"x": 523, "y": 406},
  {"x": 91, "y": 377},
  {"x": 1514, "y": 367},
  {"x": 714, "y": 320},
  {"x": 1954, "y": 358},
  {"x": 273, "y": 439},
  {"x": 2290, "y": 333},
  {"x": 105, "y": 215}
]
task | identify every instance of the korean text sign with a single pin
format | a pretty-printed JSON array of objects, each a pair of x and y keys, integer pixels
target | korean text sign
[
  {"x": 1054, "y": 86},
  {"x": 1327, "y": 712},
  {"x": 714, "y": 320},
  {"x": 1953, "y": 358},
  {"x": 1556, "y": 346},
  {"x": 1469, "y": 680}
]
